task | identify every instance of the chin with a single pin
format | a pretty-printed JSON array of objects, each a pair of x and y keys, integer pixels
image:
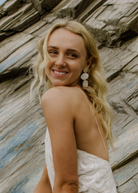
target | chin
[{"x": 58, "y": 84}]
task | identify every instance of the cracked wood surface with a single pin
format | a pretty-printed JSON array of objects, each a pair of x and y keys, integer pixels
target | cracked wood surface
[{"x": 22, "y": 126}]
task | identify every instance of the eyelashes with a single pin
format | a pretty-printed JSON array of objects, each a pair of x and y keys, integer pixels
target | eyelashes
[
  {"x": 70, "y": 55},
  {"x": 52, "y": 52}
]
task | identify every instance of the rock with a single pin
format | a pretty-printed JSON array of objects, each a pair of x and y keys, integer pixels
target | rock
[
  {"x": 35, "y": 27},
  {"x": 90, "y": 9},
  {"x": 130, "y": 186},
  {"x": 23, "y": 53},
  {"x": 11, "y": 6},
  {"x": 113, "y": 23},
  {"x": 11, "y": 44},
  {"x": 73, "y": 8},
  {"x": 126, "y": 172},
  {"x": 122, "y": 154},
  {"x": 20, "y": 136},
  {"x": 45, "y": 5},
  {"x": 48, "y": 5},
  {"x": 8, "y": 23},
  {"x": 118, "y": 25},
  {"x": 28, "y": 19},
  {"x": 4, "y": 35},
  {"x": 18, "y": 17}
]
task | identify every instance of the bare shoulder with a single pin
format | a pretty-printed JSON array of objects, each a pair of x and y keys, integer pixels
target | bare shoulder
[{"x": 61, "y": 95}]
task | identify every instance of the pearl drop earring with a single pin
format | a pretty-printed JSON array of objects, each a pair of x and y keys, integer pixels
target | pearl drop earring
[{"x": 84, "y": 77}]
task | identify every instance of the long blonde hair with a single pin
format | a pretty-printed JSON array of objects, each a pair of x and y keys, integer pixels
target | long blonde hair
[{"x": 97, "y": 89}]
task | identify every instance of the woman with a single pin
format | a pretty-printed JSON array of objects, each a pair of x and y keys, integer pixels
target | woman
[{"x": 76, "y": 112}]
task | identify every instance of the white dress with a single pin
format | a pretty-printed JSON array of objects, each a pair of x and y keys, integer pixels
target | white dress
[{"x": 94, "y": 173}]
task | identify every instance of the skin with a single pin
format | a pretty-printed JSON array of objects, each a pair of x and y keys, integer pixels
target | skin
[
  {"x": 68, "y": 56},
  {"x": 68, "y": 127}
]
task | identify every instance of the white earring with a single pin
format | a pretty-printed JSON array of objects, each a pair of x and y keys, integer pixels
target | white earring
[{"x": 84, "y": 77}]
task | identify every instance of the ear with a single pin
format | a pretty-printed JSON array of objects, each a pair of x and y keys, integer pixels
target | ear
[{"x": 89, "y": 62}]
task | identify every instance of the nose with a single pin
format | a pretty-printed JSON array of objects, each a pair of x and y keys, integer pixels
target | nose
[{"x": 60, "y": 61}]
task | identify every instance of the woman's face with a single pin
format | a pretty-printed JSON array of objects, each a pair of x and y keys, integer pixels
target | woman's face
[{"x": 68, "y": 58}]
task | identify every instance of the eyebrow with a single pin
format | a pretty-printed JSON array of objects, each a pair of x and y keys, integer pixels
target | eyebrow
[{"x": 72, "y": 50}]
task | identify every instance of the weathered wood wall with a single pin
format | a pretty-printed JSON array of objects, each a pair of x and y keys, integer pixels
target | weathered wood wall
[{"x": 114, "y": 25}]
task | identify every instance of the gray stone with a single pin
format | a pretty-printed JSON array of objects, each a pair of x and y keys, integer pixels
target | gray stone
[
  {"x": 90, "y": 9},
  {"x": 113, "y": 23},
  {"x": 48, "y": 4},
  {"x": 119, "y": 24},
  {"x": 45, "y": 5},
  {"x": 28, "y": 19},
  {"x": 135, "y": 179},
  {"x": 73, "y": 8},
  {"x": 128, "y": 187},
  {"x": 11, "y": 6},
  {"x": 18, "y": 55},
  {"x": 20, "y": 144},
  {"x": 126, "y": 172},
  {"x": 11, "y": 44}
]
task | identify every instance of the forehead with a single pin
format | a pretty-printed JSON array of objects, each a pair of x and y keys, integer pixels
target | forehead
[{"x": 64, "y": 38}]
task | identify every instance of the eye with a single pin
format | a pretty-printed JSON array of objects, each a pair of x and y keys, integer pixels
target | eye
[
  {"x": 52, "y": 52},
  {"x": 72, "y": 55}
]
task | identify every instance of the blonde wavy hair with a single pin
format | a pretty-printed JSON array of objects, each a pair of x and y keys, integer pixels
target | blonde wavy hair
[{"x": 97, "y": 89}]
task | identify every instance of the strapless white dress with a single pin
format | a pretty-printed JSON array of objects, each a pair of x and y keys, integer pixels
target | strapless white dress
[{"x": 94, "y": 174}]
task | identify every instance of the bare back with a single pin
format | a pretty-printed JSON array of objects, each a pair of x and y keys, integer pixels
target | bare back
[{"x": 88, "y": 130}]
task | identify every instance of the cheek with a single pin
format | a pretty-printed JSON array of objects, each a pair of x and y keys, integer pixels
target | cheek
[
  {"x": 79, "y": 68},
  {"x": 48, "y": 66}
]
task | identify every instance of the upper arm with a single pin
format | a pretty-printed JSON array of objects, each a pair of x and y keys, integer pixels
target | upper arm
[
  {"x": 59, "y": 117},
  {"x": 44, "y": 176}
]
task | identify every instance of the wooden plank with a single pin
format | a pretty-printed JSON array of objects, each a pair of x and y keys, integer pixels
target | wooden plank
[{"x": 125, "y": 147}]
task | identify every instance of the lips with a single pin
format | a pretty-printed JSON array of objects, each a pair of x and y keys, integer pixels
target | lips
[{"x": 59, "y": 73}]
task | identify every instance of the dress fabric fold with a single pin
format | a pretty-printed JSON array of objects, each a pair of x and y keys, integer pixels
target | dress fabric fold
[{"x": 94, "y": 173}]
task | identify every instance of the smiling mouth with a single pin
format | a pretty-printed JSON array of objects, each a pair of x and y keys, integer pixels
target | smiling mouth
[{"x": 59, "y": 73}]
